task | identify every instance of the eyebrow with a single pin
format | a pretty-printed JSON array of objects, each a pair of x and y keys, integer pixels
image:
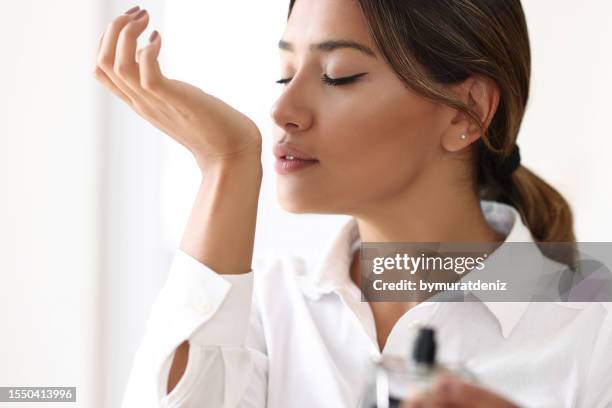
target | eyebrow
[{"x": 331, "y": 45}]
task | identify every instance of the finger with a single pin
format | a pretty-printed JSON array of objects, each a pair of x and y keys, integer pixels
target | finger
[
  {"x": 413, "y": 403},
  {"x": 101, "y": 76},
  {"x": 96, "y": 69},
  {"x": 106, "y": 57},
  {"x": 125, "y": 59},
  {"x": 153, "y": 81},
  {"x": 133, "y": 10},
  {"x": 128, "y": 12},
  {"x": 425, "y": 401},
  {"x": 151, "y": 77},
  {"x": 458, "y": 393},
  {"x": 105, "y": 80},
  {"x": 99, "y": 43}
]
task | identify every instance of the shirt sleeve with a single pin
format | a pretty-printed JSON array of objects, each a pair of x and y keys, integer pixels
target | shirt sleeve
[{"x": 227, "y": 361}]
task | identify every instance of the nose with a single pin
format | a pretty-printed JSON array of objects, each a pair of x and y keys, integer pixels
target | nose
[{"x": 290, "y": 111}]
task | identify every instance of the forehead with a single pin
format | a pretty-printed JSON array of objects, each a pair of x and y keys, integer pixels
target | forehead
[{"x": 316, "y": 20}]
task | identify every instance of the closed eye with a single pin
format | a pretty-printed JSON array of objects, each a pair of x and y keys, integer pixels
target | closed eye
[{"x": 330, "y": 81}]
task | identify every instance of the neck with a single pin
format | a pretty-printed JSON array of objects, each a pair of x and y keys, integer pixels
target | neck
[
  {"x": 438, "y": 217},
  {"x": 433, "y": 218}
]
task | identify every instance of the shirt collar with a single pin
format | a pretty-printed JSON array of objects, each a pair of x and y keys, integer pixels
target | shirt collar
[
  {"x": 505, "y": 219},
  {"x": 331, "y": 272}
]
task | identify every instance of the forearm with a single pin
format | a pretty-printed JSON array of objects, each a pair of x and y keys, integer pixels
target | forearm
[{"x": 220, "y": 231}]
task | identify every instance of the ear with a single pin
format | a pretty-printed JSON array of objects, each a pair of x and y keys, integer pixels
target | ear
[{"x": 479, "y": 93}]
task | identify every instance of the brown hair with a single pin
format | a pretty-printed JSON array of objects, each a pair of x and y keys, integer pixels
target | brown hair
[{"x": 431, "y": 43}]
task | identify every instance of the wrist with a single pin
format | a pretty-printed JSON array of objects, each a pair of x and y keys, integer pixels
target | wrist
[{"x": 243, "y": 161}]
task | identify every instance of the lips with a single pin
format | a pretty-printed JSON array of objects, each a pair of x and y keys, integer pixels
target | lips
[{"x": 282, "y": 150}]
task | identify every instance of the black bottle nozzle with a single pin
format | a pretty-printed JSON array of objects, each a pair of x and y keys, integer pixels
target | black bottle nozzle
[{"x": 424, "y": 351}]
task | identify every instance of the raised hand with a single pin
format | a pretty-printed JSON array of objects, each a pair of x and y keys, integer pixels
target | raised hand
[{"x": 211, "y": 129}]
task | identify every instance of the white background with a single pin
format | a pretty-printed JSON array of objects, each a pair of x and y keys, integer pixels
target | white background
[{"x": 93, "y": 199}]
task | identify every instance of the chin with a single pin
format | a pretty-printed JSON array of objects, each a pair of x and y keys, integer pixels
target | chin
[
  {"x": 302, "y": 199},
  {"x": 293, "y": 199},
  {"x": 294, "y": 206},
  {"x": 305, "y": 206}
]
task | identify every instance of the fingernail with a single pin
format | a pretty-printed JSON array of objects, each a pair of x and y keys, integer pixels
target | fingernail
[
  {"x": 153, "y": 36},
  {"x": 132, "y": 10},
  {"x": 139, "y": 15}
]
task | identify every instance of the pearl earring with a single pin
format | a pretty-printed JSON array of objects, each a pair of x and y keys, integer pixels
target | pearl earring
[{"x": 462, "y": 137}]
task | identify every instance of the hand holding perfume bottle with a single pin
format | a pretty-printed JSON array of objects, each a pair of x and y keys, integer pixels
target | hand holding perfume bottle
[
  {"x": 420, "y": 380},
  {"x": 393, "y": 380},
  {"x": 453, "y": 391}
]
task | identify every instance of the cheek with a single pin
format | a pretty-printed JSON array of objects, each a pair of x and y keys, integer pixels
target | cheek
[{"x": 379, "y": 135}]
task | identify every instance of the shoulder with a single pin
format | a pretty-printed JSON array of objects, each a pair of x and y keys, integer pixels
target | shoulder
[
  {"x": 590, "y": 283},
  {"x": 274, "y": 264},
  {"x": 280, "y": 274},
  {"x": 573, "y": 299},
  {"x": 598, "y": 392}
]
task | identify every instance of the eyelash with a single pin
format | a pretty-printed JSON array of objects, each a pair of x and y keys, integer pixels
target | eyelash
[{"x": 330, "y": 81}]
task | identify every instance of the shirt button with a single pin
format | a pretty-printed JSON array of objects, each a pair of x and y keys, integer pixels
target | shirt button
[{"x": 415, "y": 322}]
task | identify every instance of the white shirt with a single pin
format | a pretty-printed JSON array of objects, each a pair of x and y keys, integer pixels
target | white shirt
[{"x": 290, "y": 334}]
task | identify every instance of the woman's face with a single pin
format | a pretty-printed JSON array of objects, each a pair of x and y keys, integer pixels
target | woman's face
[{"x": 372, "y": 137}]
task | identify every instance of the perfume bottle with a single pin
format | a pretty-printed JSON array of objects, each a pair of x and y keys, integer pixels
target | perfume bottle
[{"x": 394, "y": 379}]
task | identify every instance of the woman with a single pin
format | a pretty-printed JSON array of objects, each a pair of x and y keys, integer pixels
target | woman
[{"x": 403, "y": 115}]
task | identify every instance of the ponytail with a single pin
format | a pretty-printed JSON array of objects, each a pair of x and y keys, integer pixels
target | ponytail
[
  {"x": 542, "y": 209},
  {"x": 545, "y": 212}
]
